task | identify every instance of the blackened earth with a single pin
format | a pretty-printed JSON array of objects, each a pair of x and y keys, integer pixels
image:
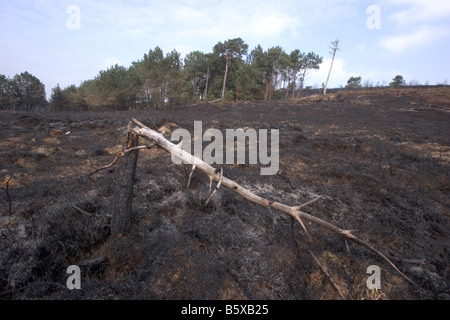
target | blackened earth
[{"x": 379, "y": 159}]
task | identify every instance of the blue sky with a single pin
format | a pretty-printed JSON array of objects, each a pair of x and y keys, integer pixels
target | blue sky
[{"x": 67, "y": 42}]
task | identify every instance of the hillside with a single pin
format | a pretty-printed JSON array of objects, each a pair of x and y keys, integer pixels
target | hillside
[{"x": 380, "y": 159}]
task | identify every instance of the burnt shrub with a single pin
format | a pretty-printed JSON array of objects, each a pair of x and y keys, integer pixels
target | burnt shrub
[
  {"x": 13, "y": 156},
  {"x": 29, "y": 268},
  {"x": 98, "y": 152},
  {"x": 70, "y": 228},
  {"x": 33, "y": 263}
]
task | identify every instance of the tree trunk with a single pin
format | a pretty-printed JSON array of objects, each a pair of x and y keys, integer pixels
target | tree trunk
[
  {"x": 334, "y": 48},
  {"x": 206, "y": 89},
  {"x": 328, "y": 77},
  {"x": 122, "y": 205},
  {"x": 300, "y": 84},
  {"x": 195, "y": 85},
  {"x": 294, "y": 85},
  {"x": 225, "y": 78},
  {"x": 268, "y": 91}
]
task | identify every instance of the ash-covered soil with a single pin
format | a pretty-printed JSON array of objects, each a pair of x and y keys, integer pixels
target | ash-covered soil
[{"x": 380, "y": 159}]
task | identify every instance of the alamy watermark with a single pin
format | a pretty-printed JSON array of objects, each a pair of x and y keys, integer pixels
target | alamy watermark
[
  {"x": 73, "y": 281},
  {"x": 374, "y": 281},
  {"x": 374, "y": 20},
  {"x": 74, "y": 20},
  {"x": 235, "y": 146}
]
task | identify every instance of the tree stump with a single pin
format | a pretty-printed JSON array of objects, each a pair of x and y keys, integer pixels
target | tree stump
[{"x": 122, "y": 205}]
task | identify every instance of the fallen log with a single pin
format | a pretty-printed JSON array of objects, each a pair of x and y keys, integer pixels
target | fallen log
[{"x": 217, "y": 175}]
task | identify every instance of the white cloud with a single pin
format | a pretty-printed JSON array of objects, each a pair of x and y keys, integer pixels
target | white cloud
[
  {"x": 418, "y": 24},
  {"x": 339, "y": 75},
  {"x": 257, "y": 20},
  {"x": 422, "y": 36},
  {"x": 186, "y": 14},
  {"x": 271, "y": 24},
  {"x": 420, "y": 11}
]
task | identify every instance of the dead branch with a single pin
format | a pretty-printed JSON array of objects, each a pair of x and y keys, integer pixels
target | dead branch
[
  {"x": 294, "y": 211},
  {"x": 217, "y": 187},
  {"x": 147, "y": 146},
  {"x": 190, "y": 176},
  {"x": 80, "y": 210},
  {"x": 405, "y": 260},
  {"x": 121, "y": 154},
  {"x": 325, "y": 271}
]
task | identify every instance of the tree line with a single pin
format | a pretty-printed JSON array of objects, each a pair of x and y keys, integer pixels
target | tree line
[
  {"x": 229, "y": 72},
  {"x": 23, "y": 92},
  {"x": 355, "y": 82}
]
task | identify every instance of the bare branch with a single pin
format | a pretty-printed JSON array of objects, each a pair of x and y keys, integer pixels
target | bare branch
[
  {"x": 147, "y": 146},
  {"x": 309, "y": 202},
  {"x": 325, "y": 271},
  {"x": 190, "y": 176},
  {"x": 217, "y": 187},
  {"x": 121, "y": 154},
  {"x": 80, "y": 210},
  {"x": 210, "y": 184}
]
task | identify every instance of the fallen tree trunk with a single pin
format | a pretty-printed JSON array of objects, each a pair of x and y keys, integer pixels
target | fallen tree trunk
[{"x": 217, "y": 175}]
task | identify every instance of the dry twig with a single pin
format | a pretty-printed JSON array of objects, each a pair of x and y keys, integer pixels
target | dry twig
[
  {"x": 325, "y": 271},
  {"x": 121, "y": 154},
  {"x": 217, "y": 187}
]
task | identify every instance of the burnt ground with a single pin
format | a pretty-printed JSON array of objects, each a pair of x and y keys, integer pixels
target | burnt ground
[{"x": 379, "y": 159}]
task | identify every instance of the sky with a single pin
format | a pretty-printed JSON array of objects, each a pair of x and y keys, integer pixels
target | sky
[{"x": 67, "y": 42}]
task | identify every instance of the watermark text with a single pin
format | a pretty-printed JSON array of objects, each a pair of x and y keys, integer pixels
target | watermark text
[
  {"x": 74, "y": 20},
  {"x": 374, "y": 281},
  {"x": 238, "y": 143},
  {"x": 374, "y": 20}
]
